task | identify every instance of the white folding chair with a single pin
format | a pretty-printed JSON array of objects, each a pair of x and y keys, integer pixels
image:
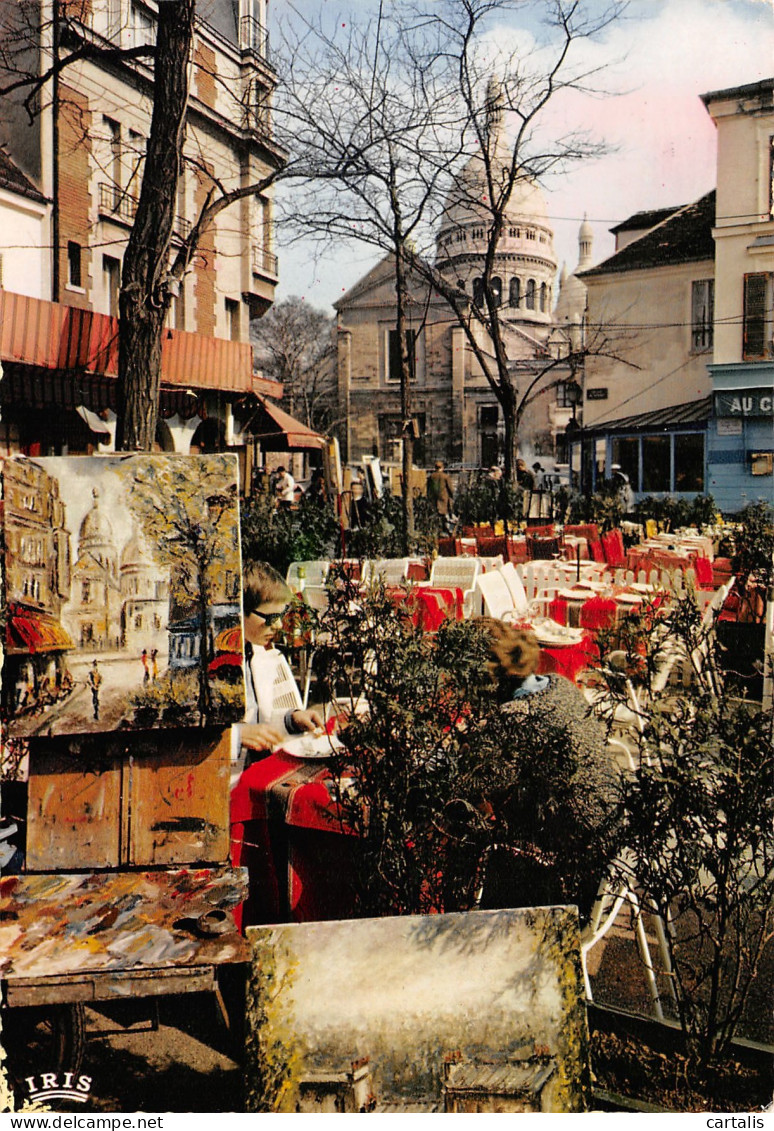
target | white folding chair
[
  {"x": 457, "y": 573},
  {"x": 516, "y": 588},
  {"x": 301, "y": 574},
  {"x": 390, "y": 571},
  {"x": 495, "y": 596}
]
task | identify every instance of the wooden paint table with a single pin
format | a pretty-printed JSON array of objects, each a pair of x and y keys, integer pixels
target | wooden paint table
[{"x": 101, "y": 936}]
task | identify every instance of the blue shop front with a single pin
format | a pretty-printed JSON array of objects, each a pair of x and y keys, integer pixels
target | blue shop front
[{"x": 740, "y": 438}]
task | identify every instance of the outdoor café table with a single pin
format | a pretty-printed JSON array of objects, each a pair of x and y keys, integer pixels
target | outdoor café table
[
  {"x": 429, "y": 604},
  {"x": 286, "y": 830}
]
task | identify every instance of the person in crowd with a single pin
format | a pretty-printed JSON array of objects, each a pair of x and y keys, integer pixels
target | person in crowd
[
  {"x": 265, "y": 597},
  {"x": 557, "y": 798},
  {"x": 285, "y": 488},
  {"x": 316, "y": 492},
  {"x": 524, "y": 477},
  {"x": 95, "y": 683},
  {"x": 621, "y": 486},
  {"x": 440, "y": 494}
]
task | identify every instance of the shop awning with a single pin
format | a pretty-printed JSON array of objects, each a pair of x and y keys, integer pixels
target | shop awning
[
  {"x": 278, "y": 431},
  {"x": 29, "y": 631},
  {"x": 52, "y": 336}
]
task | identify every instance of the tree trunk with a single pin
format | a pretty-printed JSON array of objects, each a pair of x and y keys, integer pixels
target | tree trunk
[
  {"x": 406, "y": 366},
  {"x": 144, "y": 299}
]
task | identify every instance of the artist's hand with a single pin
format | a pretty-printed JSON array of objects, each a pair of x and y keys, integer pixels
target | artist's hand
[
  {"x": 261, "y": 736},
  {"x": 308, "y": 720}
]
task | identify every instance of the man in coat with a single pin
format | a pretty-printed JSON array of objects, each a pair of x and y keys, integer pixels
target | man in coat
[{"x": 440, "y": 494}]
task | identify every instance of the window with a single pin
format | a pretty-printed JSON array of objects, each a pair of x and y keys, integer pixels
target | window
[
  {"x": 488, "y": 418},
  {"x": 113, "y": 14},
  {"x": 232, "y": 319},
  {"x": 757, "y": 317},
  {"x": 531, "y": 234},
  {"x": 477, "y": 233},
  {"x": 514, "y": 233},
  {"x": 530, "y": 296},
  {"x": 702, "y": 313},
  {"x": 543, "y": 297},
  {"x": 656, "y": 463},
  {"x": 478, "y": 291},
  {"x": 514, "y": 295},
  {"x": 141, "y": 26},
  {"x": 689, "y": 461},
  {"x": 74, "y": 264},
  {"x": 112, "y": 271},
  {"x": 626, "y": 451},
  {"x": 113, "y": 134},
  {"x": 393, "y": 354},
  {"x": 85, "y": 592}
]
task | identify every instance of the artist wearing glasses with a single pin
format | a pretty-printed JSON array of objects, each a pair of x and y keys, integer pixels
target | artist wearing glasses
[{"x": 265, "y": 596}]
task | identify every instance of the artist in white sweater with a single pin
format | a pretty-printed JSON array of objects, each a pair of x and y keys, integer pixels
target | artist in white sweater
[{"x": 265, "y": 597}]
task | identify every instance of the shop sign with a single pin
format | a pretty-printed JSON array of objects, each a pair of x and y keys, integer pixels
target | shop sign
[
  {"x": 596, "y": 394},
  {"x": 745, "y": 402}
]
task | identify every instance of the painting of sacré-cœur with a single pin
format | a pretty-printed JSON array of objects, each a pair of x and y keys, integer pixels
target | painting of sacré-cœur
[
  {"x": 122, "y": 593},
  {"x": 457, "y": 1013}
]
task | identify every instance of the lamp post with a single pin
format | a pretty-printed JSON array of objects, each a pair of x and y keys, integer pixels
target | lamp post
[{"x": 572, "y": 432}]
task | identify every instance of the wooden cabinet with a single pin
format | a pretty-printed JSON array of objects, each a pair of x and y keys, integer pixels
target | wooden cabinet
[{"x": 128, "y": 801}]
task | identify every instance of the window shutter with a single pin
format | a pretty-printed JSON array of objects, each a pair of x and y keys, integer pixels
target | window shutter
[{"x": 755, "y": 287}]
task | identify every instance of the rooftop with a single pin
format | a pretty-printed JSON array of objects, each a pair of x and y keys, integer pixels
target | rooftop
[
  {"x": 749, "y": 90},
  {"x": 685, "y": 236},
  {"x": 690, "y": 412},
  {"x": 14, "y": 180},
  {"x": 644, "y": 220}
]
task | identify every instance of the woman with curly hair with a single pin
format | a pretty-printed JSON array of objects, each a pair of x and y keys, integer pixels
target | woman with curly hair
[{"x": 556, "y": 796}]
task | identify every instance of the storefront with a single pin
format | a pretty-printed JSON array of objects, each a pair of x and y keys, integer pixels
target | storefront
[
  {"x": 662, "y": 452},
  {"x": 740, "y": 460}
]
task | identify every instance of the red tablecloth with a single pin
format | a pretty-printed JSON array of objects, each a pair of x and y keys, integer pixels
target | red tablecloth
[
  {"x": 287, "y": 831},
  {"x": 568, "y": 661},
  {"x": 430, "y": 605}
]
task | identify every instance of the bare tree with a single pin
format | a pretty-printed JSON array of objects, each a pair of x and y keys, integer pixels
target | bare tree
[
  {"x": 374, "y": 133},
  {"x": 390, "y": 115},
  {"x": 39, "y": 40},
  {"x": 296, "y": 346}
]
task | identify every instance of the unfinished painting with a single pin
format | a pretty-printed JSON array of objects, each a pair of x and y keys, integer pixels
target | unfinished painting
[
  {"x": 122, "y": 592},
  {"x": 448, "y": 1013}
]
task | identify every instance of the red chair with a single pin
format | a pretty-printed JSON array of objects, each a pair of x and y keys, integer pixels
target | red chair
[
  {"x": 449, "y": 547},
  {"x": 704, "y": 575},
  {"x": 598, "y": 613},
  {"x": 597, "y": 553},
  {"x": 587, "y": 530},
  {"x": 542, "y": 549},
  {"x": 613, "y": 547},
  {"x": 490, "y": 547}
]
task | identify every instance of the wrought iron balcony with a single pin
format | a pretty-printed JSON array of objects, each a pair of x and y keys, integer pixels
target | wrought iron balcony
[
  {"x": 254, "y": 37},
  {"x": 120, "y": 206},
  {"x": 264, "y": 262}
]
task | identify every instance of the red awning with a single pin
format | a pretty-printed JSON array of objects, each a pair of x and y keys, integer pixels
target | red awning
[
  {"x": 278, "y": 431},
  {"x": 29, "y": 631},
  {"x": 49, "y": 335}
]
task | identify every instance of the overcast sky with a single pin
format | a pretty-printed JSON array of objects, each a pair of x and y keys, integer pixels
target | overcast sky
[{"x": 662, "y": 56}]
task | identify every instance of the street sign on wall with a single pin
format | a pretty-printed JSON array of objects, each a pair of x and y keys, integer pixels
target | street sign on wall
[{"x": 744, "y": 402}]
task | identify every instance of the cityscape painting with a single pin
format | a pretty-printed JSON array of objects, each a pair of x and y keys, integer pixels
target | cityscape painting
[
  {"x": 122, "y": 587},
  {"x": 443, "y": 1013}
]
